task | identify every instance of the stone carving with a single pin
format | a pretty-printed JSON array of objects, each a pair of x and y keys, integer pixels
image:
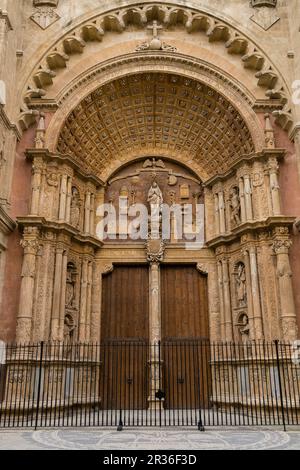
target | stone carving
[
  {"x": 265, "y": 15},
  {"x": 243, "y": 327},
  {"x": 241, "y": 289},
  {"x": 153, "y": 163},
  {"x": 155, "y": 250},
  {"x": 71, "y": 285},
  {"x": 45, "y": 14},
  {"x": 155, "y": 44},
  {"x": 69, "y": 327},
  {"x": 235, "y": 206},
  {"x": 155, "y": 197},
  {"x": 257, "y": 179},
  {"x": 75, "y": 208}
]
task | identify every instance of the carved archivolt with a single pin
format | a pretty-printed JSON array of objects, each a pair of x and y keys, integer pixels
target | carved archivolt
[{"x": 76, "y": 40}]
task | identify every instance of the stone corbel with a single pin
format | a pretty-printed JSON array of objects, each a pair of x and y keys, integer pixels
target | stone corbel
[{"x": 106, "y": 269}]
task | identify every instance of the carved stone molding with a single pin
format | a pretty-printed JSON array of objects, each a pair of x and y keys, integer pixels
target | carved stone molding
[
  {"x": 117, "y": 20},
  {"x": 106, "y": 268}
]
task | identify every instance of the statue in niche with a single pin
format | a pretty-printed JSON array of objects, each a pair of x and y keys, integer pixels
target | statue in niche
[
  {"x": 75, "y": 208},
  {"x": 243, "y": 327},
  {"x": 69, "y": 328},
  {"x": 155, "y": 197},
  {"x": 235, "y": 206},
  {"x": 241, "y": 288},
  {"x": 70, "y": 287}
]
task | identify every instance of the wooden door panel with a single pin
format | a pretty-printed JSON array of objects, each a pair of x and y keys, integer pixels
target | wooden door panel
[
  {"x": 124, "y": 337},
  {"x": 185, "y": 330}
]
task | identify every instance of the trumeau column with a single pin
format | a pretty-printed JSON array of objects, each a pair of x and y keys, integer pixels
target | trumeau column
[
  {"x": 30, "y": 245},
  {"x": 256, "y": 301},
  {"x": 281, "y": 245}
]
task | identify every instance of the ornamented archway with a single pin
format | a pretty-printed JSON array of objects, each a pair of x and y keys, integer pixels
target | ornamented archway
[{"x": 188, "y": 121}]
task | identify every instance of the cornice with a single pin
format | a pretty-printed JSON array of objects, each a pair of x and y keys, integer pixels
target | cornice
[
  {"x": 7, "y": 224},
  {"x": 251, "y": 228},
  {"x": 67, "y": 159},
  {"x": 9, "y": 125},
  {"x": 61, "y": 228},
  {"x": 265, "y": 153}
]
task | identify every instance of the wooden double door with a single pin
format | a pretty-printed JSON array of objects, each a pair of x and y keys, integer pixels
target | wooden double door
[{"x": 183, "y": 374}]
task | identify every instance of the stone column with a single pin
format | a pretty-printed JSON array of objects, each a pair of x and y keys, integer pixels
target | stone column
[
  {"x": 56, "y": 305},
  {"x": 36, "y": 188},
  {"x": 256, "y": 301},
  {"x": 89, "y": 301},
  {"x": 213, "y": 303},
  {"x": 222, "y": 212},
  {"x": 248, "y": 198},
  {"x": 30, "y": 245},
  {"x": 217, "y": 215},
  {"x": 63, "y": 296},
  {"x": 249, "y": 294},
  {"x": 63, "y": 198},
  {"x": 242, "y": 200},
  {"x": 274, "y": 185},
  {"x": 92, "y": 215},
  {"x": 284, "y": 274},
  {"x": 221, "y": 296},
  {"x": 69, "y": 199},
  {"x": 227, "y": 300},
  {"x": 87, "y": 212},
  {"x": 154, "y": 334},
  {"x": 96, "y": 304},
  {"x": 83, "y": 301}
]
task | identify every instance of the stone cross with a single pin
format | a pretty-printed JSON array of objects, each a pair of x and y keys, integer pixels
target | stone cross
[{"x": 155, "y": 28}]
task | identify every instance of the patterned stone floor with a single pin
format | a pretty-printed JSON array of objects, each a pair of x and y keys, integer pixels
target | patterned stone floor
[{"x": 145, "y": 439}]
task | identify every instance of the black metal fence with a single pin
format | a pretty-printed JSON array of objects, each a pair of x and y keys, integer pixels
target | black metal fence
[{"x": 131, "y": 383}]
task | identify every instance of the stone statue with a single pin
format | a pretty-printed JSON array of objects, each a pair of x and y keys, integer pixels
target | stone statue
[
  {"x": 69, "y": 327},
  {"x": 70, "y": 288},
  {"x": 241, "y": 285},
  {"x": 75, "y": 208},
  {"x": 243, "y": 327},
  {"x": 235, "y": 206},
  {"x": 155, "y": 197}
]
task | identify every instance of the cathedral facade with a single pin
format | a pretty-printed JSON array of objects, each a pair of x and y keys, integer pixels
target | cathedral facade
[{"x": 113, "y": 106}]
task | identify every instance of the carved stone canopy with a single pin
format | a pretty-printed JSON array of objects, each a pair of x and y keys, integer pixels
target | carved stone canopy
[
  {"x": 264, "y": 3},
  {"x": 43, "y": 3}
]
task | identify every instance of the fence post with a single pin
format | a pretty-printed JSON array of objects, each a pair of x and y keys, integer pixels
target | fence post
[
  {"x": 39, "y": 385},
  {"x": 280, "y": 383}
]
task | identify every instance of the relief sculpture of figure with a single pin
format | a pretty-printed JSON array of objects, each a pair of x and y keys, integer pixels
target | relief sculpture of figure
[
  {"x": 235, "y": 206},
  {"x": 241, "y": 285},
  {"x": 75, "y": 208},
  {"x": 155, "y": 197}
]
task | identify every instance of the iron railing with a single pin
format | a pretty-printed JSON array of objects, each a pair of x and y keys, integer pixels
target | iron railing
[{"x": 131, "y": 383}]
